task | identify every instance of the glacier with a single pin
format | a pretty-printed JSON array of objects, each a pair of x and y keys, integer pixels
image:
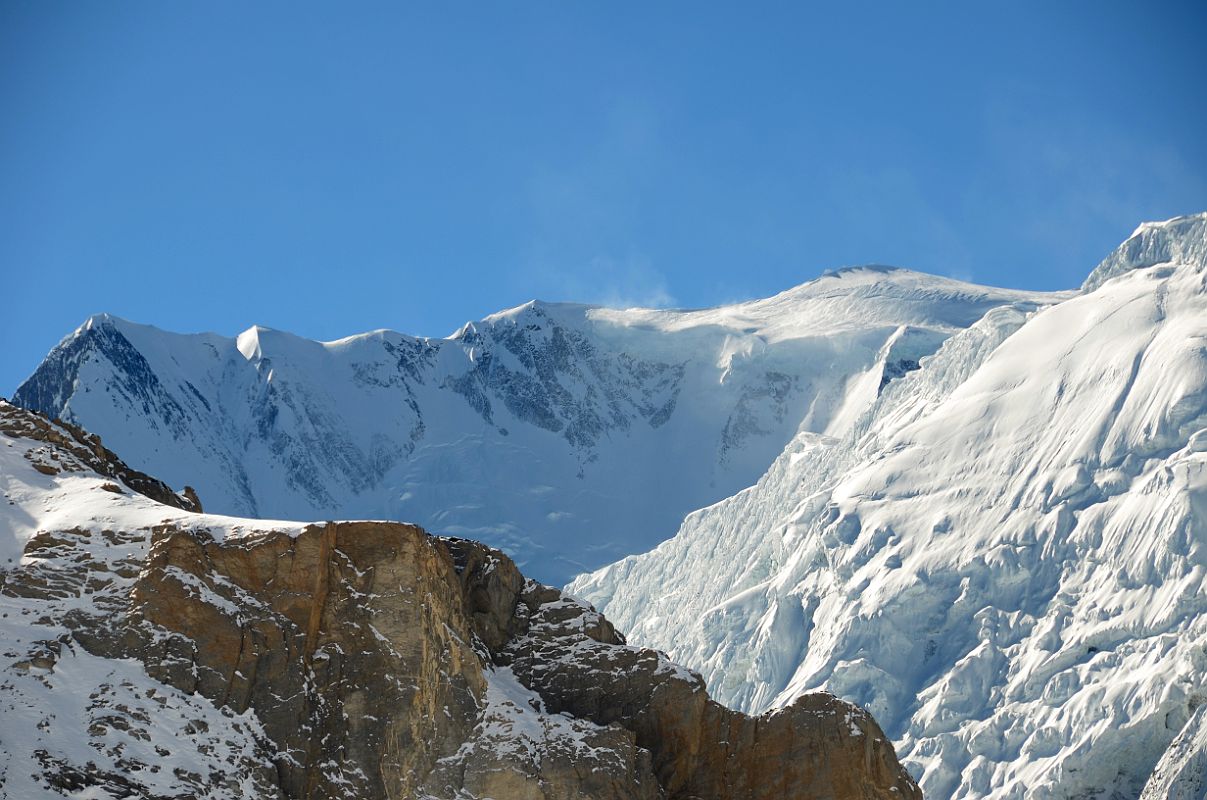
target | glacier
[
  {"x": 567, "y": 435},
  {"x": 1002, "y": 555}
]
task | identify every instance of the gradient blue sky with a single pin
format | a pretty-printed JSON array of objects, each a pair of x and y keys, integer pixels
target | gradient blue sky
[{"x": 329, "y": 168}]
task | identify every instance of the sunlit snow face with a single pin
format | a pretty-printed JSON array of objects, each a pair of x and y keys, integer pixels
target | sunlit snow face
[{"x": 1001, "y": 559}]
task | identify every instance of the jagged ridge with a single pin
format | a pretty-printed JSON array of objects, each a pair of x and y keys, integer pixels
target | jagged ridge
[{"x": 567, "y": 435}]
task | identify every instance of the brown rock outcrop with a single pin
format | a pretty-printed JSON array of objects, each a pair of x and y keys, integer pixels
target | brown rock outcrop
[
  {"x": 570, "y": 655},
  {"x": 371, "y": 660},
  {"x": 354, "y": 643},
  {"x": 350, "y": 642}
]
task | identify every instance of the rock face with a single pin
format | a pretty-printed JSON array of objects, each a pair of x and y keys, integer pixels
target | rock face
[
  {"x": 348, "y": 641},
  {"x": 580, "y": 665},
  {"x": 362, "y": 660}
]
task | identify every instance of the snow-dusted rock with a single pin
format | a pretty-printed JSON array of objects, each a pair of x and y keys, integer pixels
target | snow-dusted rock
[
  {"x": 567, "y": 435},
  {"x": 1003, "y": 557},
  {"x": 150, "y": 651}
]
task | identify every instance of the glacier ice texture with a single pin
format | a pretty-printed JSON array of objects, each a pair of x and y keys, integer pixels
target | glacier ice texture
[{"x": 1002, "y": 557}]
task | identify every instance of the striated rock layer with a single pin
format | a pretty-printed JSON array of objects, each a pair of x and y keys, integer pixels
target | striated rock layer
[{"x": 215, "y": 657}]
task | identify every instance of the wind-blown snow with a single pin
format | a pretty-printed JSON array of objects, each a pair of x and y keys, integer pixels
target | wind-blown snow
[
  {"x": 567, "y": 435},
  {"x": 1002, "y": 558}
]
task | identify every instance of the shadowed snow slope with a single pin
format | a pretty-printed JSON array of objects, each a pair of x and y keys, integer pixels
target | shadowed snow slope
[
  {"x": 1002, "y": 557},
  {"x": 567, "y": 435}
]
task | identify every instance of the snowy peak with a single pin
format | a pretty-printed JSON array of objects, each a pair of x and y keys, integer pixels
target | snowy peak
[
  {"x": 50, "y": 388},
  {"x": 574, "y": 434},
  {"x": 1001, "y": 555},
  {"x": 540, "y": 309},
  {"x": 1181, "y": 240},
  {"x": 248, "y": 343}
]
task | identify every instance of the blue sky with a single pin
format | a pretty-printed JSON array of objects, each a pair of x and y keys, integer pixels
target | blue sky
[{"x": 331, "y": 168}]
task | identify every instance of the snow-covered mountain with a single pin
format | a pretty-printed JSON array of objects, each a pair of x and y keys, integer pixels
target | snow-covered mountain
[
  {"x": 1003, "y": 556},
  {"x": 567, "y": 435}
]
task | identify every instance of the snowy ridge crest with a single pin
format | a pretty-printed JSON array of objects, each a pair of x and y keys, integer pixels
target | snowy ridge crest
[
  {"x": 1181, "y": 240},
  {"x": 1004, "y": 557},
  {"x": 567, "y": 435}
]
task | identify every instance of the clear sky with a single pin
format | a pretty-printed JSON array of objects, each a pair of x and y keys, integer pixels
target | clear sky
[{"x": 329, "y": 168}]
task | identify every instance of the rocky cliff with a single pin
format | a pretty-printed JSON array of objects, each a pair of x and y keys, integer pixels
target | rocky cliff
[
  {"x": 68, "y": 447},
  {"x": 152, "y": 651}
]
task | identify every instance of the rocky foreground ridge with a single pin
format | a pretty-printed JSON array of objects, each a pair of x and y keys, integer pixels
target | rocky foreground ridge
[{"x": 153, "y": 651}]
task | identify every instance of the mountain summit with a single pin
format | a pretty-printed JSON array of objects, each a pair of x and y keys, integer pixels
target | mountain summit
[
  {"x": 567, "y": 435},
  {"x": 1003, "y": 558}
]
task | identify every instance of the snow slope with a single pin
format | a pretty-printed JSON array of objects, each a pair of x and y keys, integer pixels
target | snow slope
[
  {"x": 101, "y": 725},
  {"x": 1003, "y": 557},
  {"x": 567, "y": 435}
]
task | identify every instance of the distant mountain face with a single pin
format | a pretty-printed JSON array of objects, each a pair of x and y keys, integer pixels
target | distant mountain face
[
  {"x": 1004, "y": 557},
  {"x": 567, "y": 435}
]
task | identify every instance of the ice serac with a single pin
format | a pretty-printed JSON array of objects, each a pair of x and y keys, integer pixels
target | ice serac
[
  {"x": 1181, "y": 240},
  {"x": 147, "y": 650},
  {"x": 567, "y": 435},
  {"x": 1002, "y": 558}
]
